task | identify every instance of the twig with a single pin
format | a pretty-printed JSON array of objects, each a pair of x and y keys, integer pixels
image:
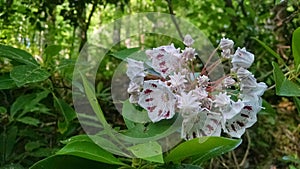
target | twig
[
  {"x": 173, "y": 18},
  {"x": 247, "y": 151},
  {"x": 235, "y": 160}
]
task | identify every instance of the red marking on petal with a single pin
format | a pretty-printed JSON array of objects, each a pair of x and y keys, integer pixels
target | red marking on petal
[
  {"x": 147, "y": 91},
  {"x": 215, "y": 121},
  {"x": 164, "y": 70},
  {"x": 159, "y": 56},
  {"x": 162, "y": 64},
  {"x": 241, "y": 124},
  {"x": 151, "y": 108},
  {"x": 168, "y": 114},
  {"x": 233, "y": 128},
  {"x": 153, "y": 85},
  {"x": 149, "y": 99},
  {"x": 244, "y": 115},
  {"x": 159, "y": 112},
  {"x": 248, "y": 108},
  {"x": 210, "y": 128}
]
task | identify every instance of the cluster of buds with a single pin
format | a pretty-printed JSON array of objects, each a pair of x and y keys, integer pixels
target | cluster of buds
[{"x": 167, "y": 85}]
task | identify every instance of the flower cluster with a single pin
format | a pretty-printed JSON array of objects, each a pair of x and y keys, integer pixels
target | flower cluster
[{"x": 167, "y": 85}]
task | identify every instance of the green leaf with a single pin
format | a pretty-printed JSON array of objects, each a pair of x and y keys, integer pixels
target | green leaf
[
  {"x": 150, "y": 151},
  {"x": 18, "y": 55},
  {"x": 89, "y": 150},
  {"x": 24, "y": 74},
  {"x": 99, "y": 140},
  {"x": 27, "y": 103},
  {"x": 70, "y": 162},
  {"x": 271, "y": 51},
  {"x": 181, "y": 166},
  {"x": 201, "y": 149},
  {"x": 297, "y": 103},
  {"x": 3, "y": 110},
  {"x": 91, "y": 96},
  {"x": 77, "y": 138},
  {"x": 12, "y": 166},
  {"x": 6, "y": 82},
  {"x": 160, "y": 129},
  {"x": 133, "y": 53},
  {"x": 67, "y": 111},
  {"x": 130, "y": 112},
  {"x": 284, "y": 87},
  {"x": 296, "y": 47},
  {"x": 52, "y": 50},
  {"x": 29, "y": 120},
  {"x": 123, "y": 54},
  {"x": 7, "y": 142},
  {"x": 30, "y": 146}
]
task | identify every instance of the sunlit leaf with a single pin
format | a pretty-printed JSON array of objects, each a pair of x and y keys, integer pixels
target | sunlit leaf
[
  {"x": 150, "y": 151},
  {"x": 201, "y": 149},
  {"x": 18, "y": 55},
  {"x": 89, "y": 150},
  {"x": 24, "y": 74}
]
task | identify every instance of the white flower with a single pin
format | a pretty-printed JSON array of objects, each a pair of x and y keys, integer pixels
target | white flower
[
  {"x": 203, "y": 80},
  {"x": 202, "y": 123},
  {"x": 177, "y": 80},
  {"x": 226, "y": 44},
  {"x": 188, "y": 54},
  {"x": 158, "y": 100},
  {"x": 243, "y": 73},
  {"x": 226, "y": 53},
  {"x": 133, "y": 88},
  {"x": 222, "y": 99},
  {"x": 236, "y": 126},
  {"x": 135, "y": 69},
  {"x": 242, "y": 58},
  {"x": 188, "y": 102},
  {"x": 188, "y": 40},
  {"x": 228, "y": 81},
  {"x": 200, "y": 93},
  {"x": 165, "y": 59}
]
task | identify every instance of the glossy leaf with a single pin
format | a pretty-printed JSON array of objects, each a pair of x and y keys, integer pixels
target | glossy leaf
[
  {"x": 99, "y": 140},
  {"x": 69, "y": 162},
  {"x": 89, "y": 150},
  {"x": 201, "y": 149},
  {"x": 18, "y": 55},
  {"x": 284, "y": 87},
  {"x": 296, "y": 47},
  {"x": 150, "y": 151},
  {"x": 24, "y": 74},
  {"x": 130, "y": 112}
]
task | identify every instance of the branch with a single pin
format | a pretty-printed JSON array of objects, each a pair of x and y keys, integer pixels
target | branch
[
  {"x": 91, "y": 14},
  {"x": 173, "y": 18}
]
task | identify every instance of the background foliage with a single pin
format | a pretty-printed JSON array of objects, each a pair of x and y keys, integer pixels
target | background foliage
[{"x": 36, "y": 114}]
